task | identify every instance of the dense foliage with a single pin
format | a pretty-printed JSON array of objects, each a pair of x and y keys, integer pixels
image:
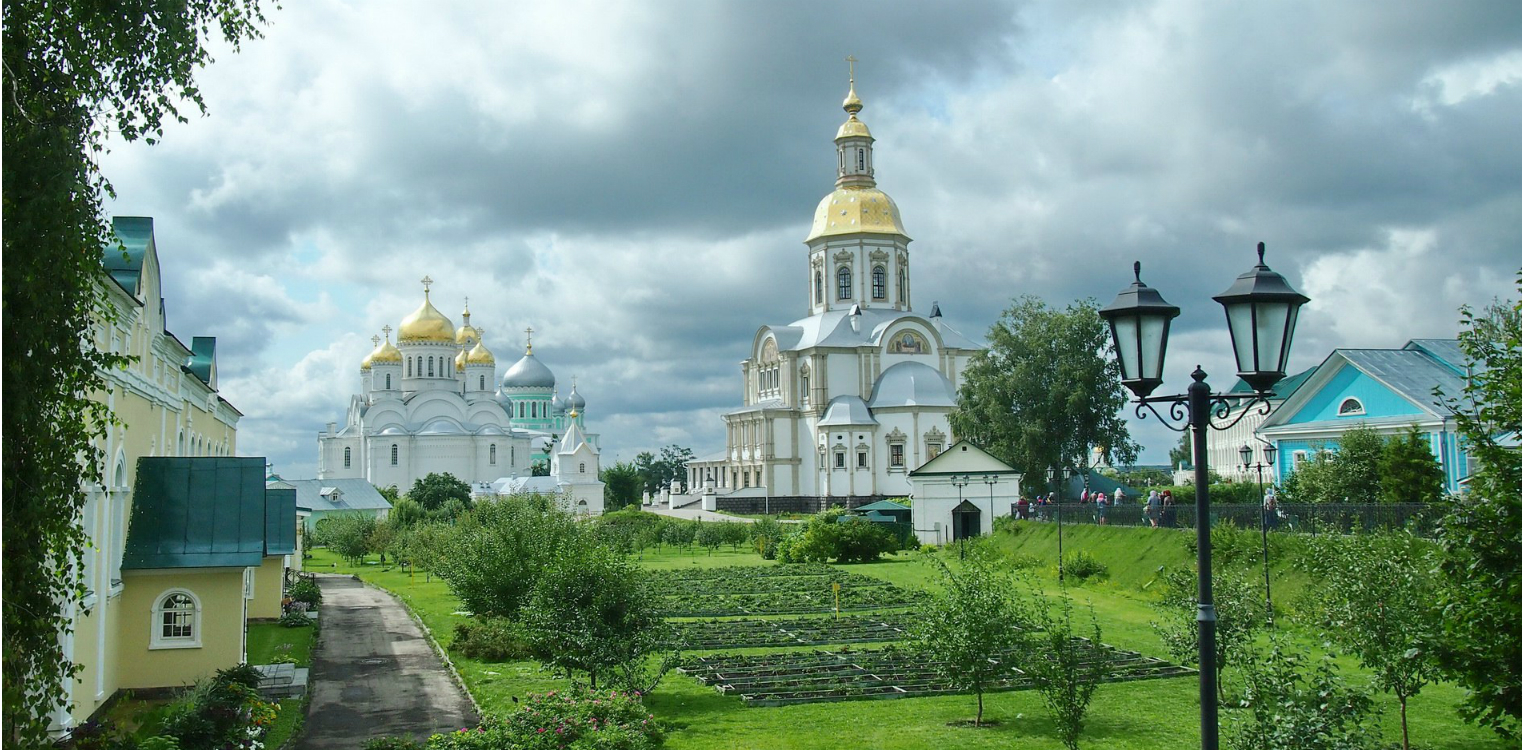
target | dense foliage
[
  {"x": 836, "y": 535},
  {"x": 1066, "y": 667},
  {"x": 1366, "y": 468},
  {"x": 1482, "y": 536},
  {"x": 72, "y": 72},
  {"x": 438, "y": 490},
  {"x": 558, "y": 720},
  {"x": 622, "y": 486},
  {"x": 661, "y": 471},
  {"x": 1045, "y": 392},
  {"x": 1292, "y": 703},
  {"x": 1240, "y": 615},
  {"x": 494, "y": 554},
  {"x": 348, "y": 534}
]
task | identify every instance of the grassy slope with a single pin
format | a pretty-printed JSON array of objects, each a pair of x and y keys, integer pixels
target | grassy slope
[
  {"x": 1155, "y": 715},
  {"x": 266, "y": 639}
]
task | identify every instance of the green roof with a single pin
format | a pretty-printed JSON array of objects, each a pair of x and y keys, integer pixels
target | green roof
[
  {"x": 1282, "y": 389},
  {"x": 280, "y": 521},
  {"x": 203, "y": 352},
  {"x": 883, "y": 505},
  {"x": 135, "y": 233},
  {"x": 197, "y": 513}
]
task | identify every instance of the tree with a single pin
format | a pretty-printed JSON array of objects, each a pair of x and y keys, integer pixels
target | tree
[
  {"x": 593, "y": 611},
  {"x": 1408, "y": 472},
  {"x": 1349, "y": 474},
  {"x": 1482, "y": 534},
  {"x": 72, "y": 71},
  {"x": 1046, "y": 391},
  {"x": 1181, "y": 456},
  {"x": 390, "y": 492},
  {"x": 975, "y": 626},
  {"x": 1066, "y": 668},
  {"x": 405, "y": 512},
  {"x": 495, "y": 552},
  {"x": 437, "y": 489},
  {"x": 649, "y": 473},
  {"x": 621, "y": 486},
  {"x": 1294, "y": 705},
  {"x": 1240, "y": 614},
  {"x": 1377, "y": 599},
  {"x": 348, "y": 534},
  {"x": 673, "y": 464}
]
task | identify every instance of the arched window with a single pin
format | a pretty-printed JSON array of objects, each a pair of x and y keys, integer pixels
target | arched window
[
  {"x": 818, "y": 288},
  {"x": 388, "y": 381},
  {"x": 861, "y": 160},
  {"x": 482, "y": 386},
  {"x": 393, "y": 454},
  {"x": 176, "y": 621},
  {"x": 494, "y": 454},
  {"x": 1350, "y": 407},
  {"x": 843, "y": 283},
  {"x": 879, "y": 283},
  {"x": 903, "y": 286},
  {"x": 430, "y": 367},
  {"x": 582, "y": 469},
  {"x": 346, "y": 458},
  {"x": 409, "y": 367}
]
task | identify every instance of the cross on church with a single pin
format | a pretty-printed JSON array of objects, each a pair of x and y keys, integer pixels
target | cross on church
[
  {"x": 386, "y": 329},
  {"x": 427, "y": 282},
  {"x": 851, "y": 60},
  {"x": 530, "y": 333}
]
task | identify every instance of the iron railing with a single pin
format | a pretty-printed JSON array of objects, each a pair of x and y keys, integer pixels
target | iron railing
[{"x": 1331, "y": 518}]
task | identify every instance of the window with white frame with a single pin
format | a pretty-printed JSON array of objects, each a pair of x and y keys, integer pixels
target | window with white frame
[
  {"x": 843, "y": 283},
  {"x": 176, "y": 620},
  {"x": 393, "y": 454},
  {"x": 896, "y": 455},
  {"x": 1350, "y": 407},
  {"x": 493, "y": 458},
  {"x": 840, "y": 459},
  {"x": 879, "y": 282},
  {"x": 346, "y": 457}
]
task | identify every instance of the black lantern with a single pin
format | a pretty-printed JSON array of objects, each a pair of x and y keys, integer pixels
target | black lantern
[
  {"x": 1139, "y": 319},
  {"x": 1270, "y": 452},
  {"x": 1261, "y": 308},
  {"x": 1246, "y": 453}
]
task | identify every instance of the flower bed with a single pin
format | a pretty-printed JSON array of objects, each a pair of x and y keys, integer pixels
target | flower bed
[{"x": 792, "y": 631}]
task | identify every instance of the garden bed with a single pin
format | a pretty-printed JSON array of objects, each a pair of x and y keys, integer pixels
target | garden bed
[{"x": 792, "y": 631}]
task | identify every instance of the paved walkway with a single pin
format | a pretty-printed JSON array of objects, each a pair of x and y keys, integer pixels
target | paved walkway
[
  {"x": 693, "y": 512},
  {"x": 374, "y": 673}
]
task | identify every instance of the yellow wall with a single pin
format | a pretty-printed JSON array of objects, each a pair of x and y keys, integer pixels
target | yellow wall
[
  {"x": 220, "y": 591},
  {"x": 269, "y": 584}
]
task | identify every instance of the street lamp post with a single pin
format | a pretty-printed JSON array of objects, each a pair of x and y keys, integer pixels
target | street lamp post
[
  {"x": 1269, "y": 453},
  {"x": 1261, "y": 309},
  {"x": 959, "y": 482}
]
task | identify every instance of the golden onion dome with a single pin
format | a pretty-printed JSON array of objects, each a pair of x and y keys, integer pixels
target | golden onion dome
[
  {"x": 853, "y": 127},
  {"x": 853, "y": 209},
  {"x": 387, "y": 353},
  {"x": 426, "y": 324},
  {"x": 459, "y": 361},
  {"x": 480, "y": 356},
  {"x": 364, "y": 364},
  {"x": 466, "y": 335}
]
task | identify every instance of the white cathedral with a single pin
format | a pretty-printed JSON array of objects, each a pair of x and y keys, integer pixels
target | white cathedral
[
  {"x": 432, "y": 403},
  {"x": 847, "y": 401}
]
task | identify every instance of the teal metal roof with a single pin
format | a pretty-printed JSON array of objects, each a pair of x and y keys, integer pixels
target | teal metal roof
[
  {"x": 197, "y": 513},
  {"x": 279, "y": 520},
  {"x": 1282, "y": 389},
  {"x": 135, "y": 233},
  {"x": 883, "y": 505},
  {"x": 203, "y": 352}
]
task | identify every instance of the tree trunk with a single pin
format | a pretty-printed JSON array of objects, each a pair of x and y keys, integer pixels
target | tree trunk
[
  {"x": 1405, "y": 736},
  {"x": 978, "y": 722},
  {"x": 592, "y": 675}
]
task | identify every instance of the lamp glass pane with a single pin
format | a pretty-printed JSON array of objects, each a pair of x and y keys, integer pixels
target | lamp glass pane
[
  {"x": 1124, "y": 329},
  {"x": 1272, "y": 319},
  {"x": 1289, "y": 336},
  {"x": 1239, "y": 320},
  {"x": 1270, "y": 453},
  {"x": 1246, "y": 453},
  {"x": 1153, "y": 328}
]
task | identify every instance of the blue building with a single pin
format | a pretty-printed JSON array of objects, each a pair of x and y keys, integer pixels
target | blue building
[{"x": 1387, "y": 390}]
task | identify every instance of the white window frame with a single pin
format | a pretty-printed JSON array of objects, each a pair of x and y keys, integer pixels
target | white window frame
[
  {"x": 158, "y": 640},
  {"x": 1356, "y": 411}
]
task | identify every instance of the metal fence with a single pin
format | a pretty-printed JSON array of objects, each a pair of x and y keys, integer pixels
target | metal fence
[{"x": 1418, "y": 518}]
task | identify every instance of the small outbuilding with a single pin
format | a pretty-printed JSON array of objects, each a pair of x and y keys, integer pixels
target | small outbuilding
[{"x": 958, "y": 493}]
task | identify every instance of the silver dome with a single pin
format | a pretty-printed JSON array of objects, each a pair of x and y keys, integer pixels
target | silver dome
[
  {"x": 575, "y": 401},
  {"x": 912, "y": 384},
  {"x": 528, "y": 373}
]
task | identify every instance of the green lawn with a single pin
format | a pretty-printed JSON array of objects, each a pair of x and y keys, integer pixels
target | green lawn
[
  {"x": 269, "y": 640},
  {"x": 1150, "y": 715}
]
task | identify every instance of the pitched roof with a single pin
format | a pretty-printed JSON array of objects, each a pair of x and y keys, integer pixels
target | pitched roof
[
  {"x": 197, "y": 513},
  {"x": 883, "y": 505},
  {"x": 135, "y": 233},
  {"x": 1411, "y": 373},
  {"x": 279, "y": 520},
  {"x": 963, "y": 457},
  {"x": 353, "y": 494}
]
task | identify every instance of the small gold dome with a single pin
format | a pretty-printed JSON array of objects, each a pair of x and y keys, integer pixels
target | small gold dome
[
  {"x": 853, "y": 127},
  {"x": 851, "y": 209},
  {"x": 387, "y": 353},
  {"x": 480, "y": 356},
  {"x": 426, "y": 324},
  {"x": 466, "y": 335},
  {"x": 459, "y": 361},
  {"x": 852, "y": 104},
  {"x": 364, "y": 364}
]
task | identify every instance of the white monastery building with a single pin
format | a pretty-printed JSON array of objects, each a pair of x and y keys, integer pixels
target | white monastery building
[
  {"x": 431, "y": 402},
  {"x": 844, "y": 402}
]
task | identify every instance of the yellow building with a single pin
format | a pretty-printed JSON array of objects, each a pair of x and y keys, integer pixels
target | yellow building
[{"x": 167, "y": 404}]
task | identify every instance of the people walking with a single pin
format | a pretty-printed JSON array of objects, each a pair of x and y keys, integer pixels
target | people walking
[
  {"x": 1154, "y": 508},
  {"x": 1101, "y": 504}
]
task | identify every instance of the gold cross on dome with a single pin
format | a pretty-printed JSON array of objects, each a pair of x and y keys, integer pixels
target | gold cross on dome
[
  {"x": 530, "y": 333},
  {"x": 386, "y": 329},
  {"x": 374, "y": 341},
  {"x": 851, "y": 60},
  {"x": 427, "y": 282}
]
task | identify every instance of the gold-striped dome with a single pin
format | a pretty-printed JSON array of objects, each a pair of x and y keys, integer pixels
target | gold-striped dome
[
  {"x": 480, "y": 356},
  {"x": 854, "y": 209},
  {"x": 426, "y": 324},
  {"x": 466, "y": 335}
]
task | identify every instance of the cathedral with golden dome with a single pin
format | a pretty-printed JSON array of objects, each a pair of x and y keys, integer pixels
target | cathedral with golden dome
[
  {"x": 844, "y": 403},
  {"x": 432, "y": 402}
]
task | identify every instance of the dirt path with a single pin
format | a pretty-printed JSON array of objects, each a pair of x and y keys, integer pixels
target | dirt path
[{"x": 374, "y": 673}]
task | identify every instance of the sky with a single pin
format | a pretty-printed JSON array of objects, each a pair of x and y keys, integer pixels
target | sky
[{"x": 635, "y": 181}]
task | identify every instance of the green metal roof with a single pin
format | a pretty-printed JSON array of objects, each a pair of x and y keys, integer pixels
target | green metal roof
[
  {"x": 883, "y": 505},
  {"x": 279, "y": 520},
  {"x": 203, "y": 352},
  {"x": 197, "y": 513},
  {"x": 135, "y": 233}
]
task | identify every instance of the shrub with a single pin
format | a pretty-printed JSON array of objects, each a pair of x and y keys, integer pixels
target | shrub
[
  {"x": 765, "y": 535},
  {"x": 1239, "y": 616},
  {"x": 493, "y": 555},
  {"x": 491, "y": 639},
  {"x": 1293, "y": 705},
  {"x": 222, "y": 711},
  {"x": 573, "y": 719},
  {"x": 1083, "y": 566},
  {"x": 295, "y": 619},
  {"x": 393, "y": 743},
  {"x": 1066, "y": 669},
  {"x": 306, "y": 590},
  {"x": 834, "y": 535}
]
